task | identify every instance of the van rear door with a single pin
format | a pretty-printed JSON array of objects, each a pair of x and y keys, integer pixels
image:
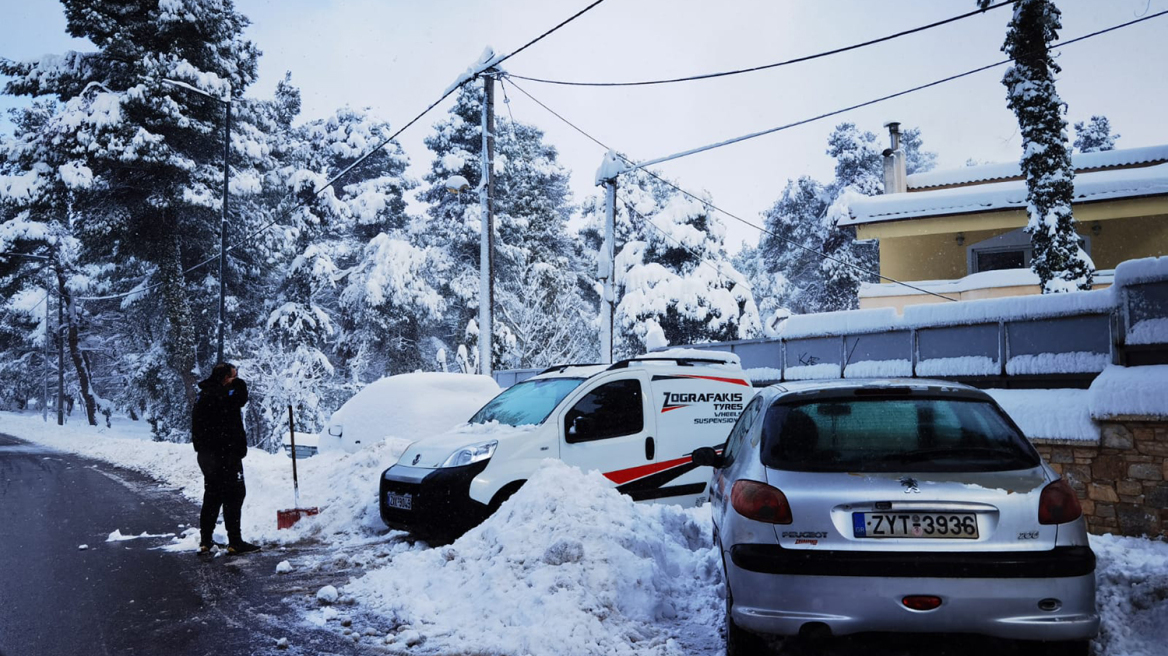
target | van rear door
[
  {"x": 609, "y": 427},
  {"x": 693, "y": 410}
]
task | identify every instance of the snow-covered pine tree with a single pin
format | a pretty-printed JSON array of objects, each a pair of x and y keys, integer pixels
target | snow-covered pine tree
[
  {"x": 802, "y": 227},
  {"x": 674, "y": 282},
  {"x": 41, "y": 187},
  {"x": 1059, "y": 260},
  {"x": 538, "y": 316},
  {"x": 1094, "y": 135},
  {"x": 156, "y": 150}
]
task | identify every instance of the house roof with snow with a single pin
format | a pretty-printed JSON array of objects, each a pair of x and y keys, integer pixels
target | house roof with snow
[{"x": 1107, "y": 175}]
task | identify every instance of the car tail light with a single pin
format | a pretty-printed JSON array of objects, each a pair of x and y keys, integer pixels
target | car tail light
[
  {"x": 760, "y": 502},
  {"x": 1058, "y": 504},
  {"x": 921, "y": 602}
]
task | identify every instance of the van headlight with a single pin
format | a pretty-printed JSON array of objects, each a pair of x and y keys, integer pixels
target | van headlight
[{"x": 471, "y": 454}]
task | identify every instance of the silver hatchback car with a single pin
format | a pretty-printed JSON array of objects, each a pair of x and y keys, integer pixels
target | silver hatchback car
[{"x": 895, "y": 506}]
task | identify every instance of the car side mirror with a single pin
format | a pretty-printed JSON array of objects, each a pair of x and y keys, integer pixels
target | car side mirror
[{"x": 707, "y": 457}]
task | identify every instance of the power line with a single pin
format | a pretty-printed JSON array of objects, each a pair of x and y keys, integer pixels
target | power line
[
  {"x": 733, "y": 216},
  {"x": 137, "y": 291},
  {"x": 788, "y": 62},
  {"x": 753, "y": 135}
]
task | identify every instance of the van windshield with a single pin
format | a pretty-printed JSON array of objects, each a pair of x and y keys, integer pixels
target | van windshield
[
  {"x": 529, "y": 402},
  {"x": 892, "y": 435}
]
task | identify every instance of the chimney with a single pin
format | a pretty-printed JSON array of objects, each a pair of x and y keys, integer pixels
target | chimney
[{"x": 895, "y": 172}]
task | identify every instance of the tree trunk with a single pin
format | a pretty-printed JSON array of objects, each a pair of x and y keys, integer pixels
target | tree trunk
[
  {"x": 79, "y": 363},
  {"x": 180, "y": 342}
]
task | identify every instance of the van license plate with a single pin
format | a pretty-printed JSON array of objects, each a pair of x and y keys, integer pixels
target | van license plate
[
  {"x": 399, "y": 501},
  {"x": 962, "y": 526}
]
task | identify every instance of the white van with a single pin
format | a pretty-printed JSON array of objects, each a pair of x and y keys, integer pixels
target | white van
[{"x": 637, "y": 422}]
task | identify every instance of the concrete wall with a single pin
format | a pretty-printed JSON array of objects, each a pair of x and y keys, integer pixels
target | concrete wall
[{"x": 1122, "y": 482}]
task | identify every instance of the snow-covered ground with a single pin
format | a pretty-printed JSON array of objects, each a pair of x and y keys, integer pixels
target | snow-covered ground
[{"x": 566, "y": 566}]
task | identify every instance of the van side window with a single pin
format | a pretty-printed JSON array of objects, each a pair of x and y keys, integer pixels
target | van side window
[
  {"x": 741, "y": 428},
  {"x": 611, "y": 410}
]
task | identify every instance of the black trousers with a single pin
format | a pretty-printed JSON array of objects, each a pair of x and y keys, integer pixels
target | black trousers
[{"x": 223, "y": 487}]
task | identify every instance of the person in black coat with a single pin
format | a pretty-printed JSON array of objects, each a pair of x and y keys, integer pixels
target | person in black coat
[{"x": 221, "y": 444}]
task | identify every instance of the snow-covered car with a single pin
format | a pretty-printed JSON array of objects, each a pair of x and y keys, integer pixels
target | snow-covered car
[
  {"x": 406, "y": 406},
  {"x": 636, "y": 421},
  {"x": 307, "y": 445},
  {"x": 908, "y": 506}
]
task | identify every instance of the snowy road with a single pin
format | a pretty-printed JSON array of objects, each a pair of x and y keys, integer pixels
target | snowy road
[{"x": 126, "y": 596}]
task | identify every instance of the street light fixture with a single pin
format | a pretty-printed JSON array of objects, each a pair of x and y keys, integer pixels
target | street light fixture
[{"x": 226, "y": 101}]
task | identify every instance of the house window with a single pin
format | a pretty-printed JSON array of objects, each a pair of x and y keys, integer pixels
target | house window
[
  {"x": 987, "y": 260},
  {"x": 1011, "y": 250}
]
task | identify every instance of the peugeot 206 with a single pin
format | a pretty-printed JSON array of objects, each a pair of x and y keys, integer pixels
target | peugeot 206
[{"x": 895, "y": 506}]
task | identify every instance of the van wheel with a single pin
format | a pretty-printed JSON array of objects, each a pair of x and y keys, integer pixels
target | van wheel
[
  {"x": 504, "y": 494},
  {"x": 739, "y": 641}
]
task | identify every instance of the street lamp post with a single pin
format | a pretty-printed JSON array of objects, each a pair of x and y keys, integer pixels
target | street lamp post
[{"x": 226, "y": 101}]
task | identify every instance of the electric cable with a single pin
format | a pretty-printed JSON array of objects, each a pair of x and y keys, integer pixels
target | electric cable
[
  {"x": 753, "y": 135},
  {"x": 137, "y": 291},
  {"x": 752, "y": 69},
  {"x": 761, "y": 229}
]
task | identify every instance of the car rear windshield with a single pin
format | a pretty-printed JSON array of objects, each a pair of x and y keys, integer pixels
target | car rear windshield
[
  {"x": 529, "y": 402},
  {"x": 891, "y": 435}
]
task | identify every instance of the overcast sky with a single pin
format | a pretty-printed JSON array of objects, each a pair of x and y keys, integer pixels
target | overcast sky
[{"x": 396, "y": 57}]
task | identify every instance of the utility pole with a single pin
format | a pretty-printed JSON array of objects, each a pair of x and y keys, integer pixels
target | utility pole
[
  {"x": 605, "y": 270},
  {"x": 223, "y": 223},
  {"x": 60, "y": 359},
  {"x": 487, "y": 239},
  {"x": 45, "y": 361}
]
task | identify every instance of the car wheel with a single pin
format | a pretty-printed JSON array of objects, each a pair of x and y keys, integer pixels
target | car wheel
[{"x": 739, "y": 641}]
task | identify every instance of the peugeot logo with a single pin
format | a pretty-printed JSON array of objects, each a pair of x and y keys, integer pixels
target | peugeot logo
[
  {"x": 910, "y": 485},
  {"x": 419, "y": 457}
]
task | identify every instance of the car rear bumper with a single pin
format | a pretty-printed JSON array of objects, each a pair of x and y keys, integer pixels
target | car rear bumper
[
  {"x": 441, "y": 505},
  {"x": 849, "y": 599}
]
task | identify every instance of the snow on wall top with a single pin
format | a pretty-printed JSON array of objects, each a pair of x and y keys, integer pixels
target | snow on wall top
[
  {"x": 982, "y": 280},
  {"x": 1100, "y": 185},
  {"x": 1130, "y": 392},
  {"x": 992, "y": 310},
  {"x": 1003, "y": 170},
  {"x": 1148, "y": 269}
]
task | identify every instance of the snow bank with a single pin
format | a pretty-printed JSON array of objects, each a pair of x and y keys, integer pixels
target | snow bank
[
  {"x": 965, "y": 365},
  {"x": 567, "y": 565},
  {"x": 408, "y": 406},
  {"x": 878, "y": 369},
  {"x": 343, "y": 485},
  {"x": 1130, "y": 391},
  {"x": 1132, "y": 596},
  {"x": 1059, "y": 414}
]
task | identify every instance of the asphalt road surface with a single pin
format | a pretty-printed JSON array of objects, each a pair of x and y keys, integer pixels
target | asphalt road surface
[{"x": 128, "y": 597}]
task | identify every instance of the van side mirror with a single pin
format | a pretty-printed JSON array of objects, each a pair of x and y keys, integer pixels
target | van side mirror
[
  {"x": 707, "y": 457},
  {"x": 581, "y": 428}
]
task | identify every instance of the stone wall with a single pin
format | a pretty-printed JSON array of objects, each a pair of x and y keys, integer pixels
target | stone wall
[{"x": 1122, "y": 481}]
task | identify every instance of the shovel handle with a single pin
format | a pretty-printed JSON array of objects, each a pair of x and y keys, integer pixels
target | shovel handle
[{"x": 292, "y": 439}]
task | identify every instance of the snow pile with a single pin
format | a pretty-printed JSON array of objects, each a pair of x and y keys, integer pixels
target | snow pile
[
  {"x": 1130, "y": 391},
  {"x": 1132, "y": 595},
  {"x": 408, "y": 406},
  {"x": 1148, "y": 269},
  {"x": 567, "y": 561},
  {"x": 1058, "y": 414},
  {"x": 343, "y": 485}
]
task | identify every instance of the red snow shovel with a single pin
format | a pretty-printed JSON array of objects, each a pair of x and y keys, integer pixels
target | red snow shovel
[{"x": 288, "y": 518}]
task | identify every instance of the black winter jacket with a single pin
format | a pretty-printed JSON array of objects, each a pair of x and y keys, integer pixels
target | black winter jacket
[{"x": 216, "y": 423}]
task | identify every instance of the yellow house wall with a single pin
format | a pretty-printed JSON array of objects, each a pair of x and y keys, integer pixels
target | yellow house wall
[{"x": 927, "y": 249}]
